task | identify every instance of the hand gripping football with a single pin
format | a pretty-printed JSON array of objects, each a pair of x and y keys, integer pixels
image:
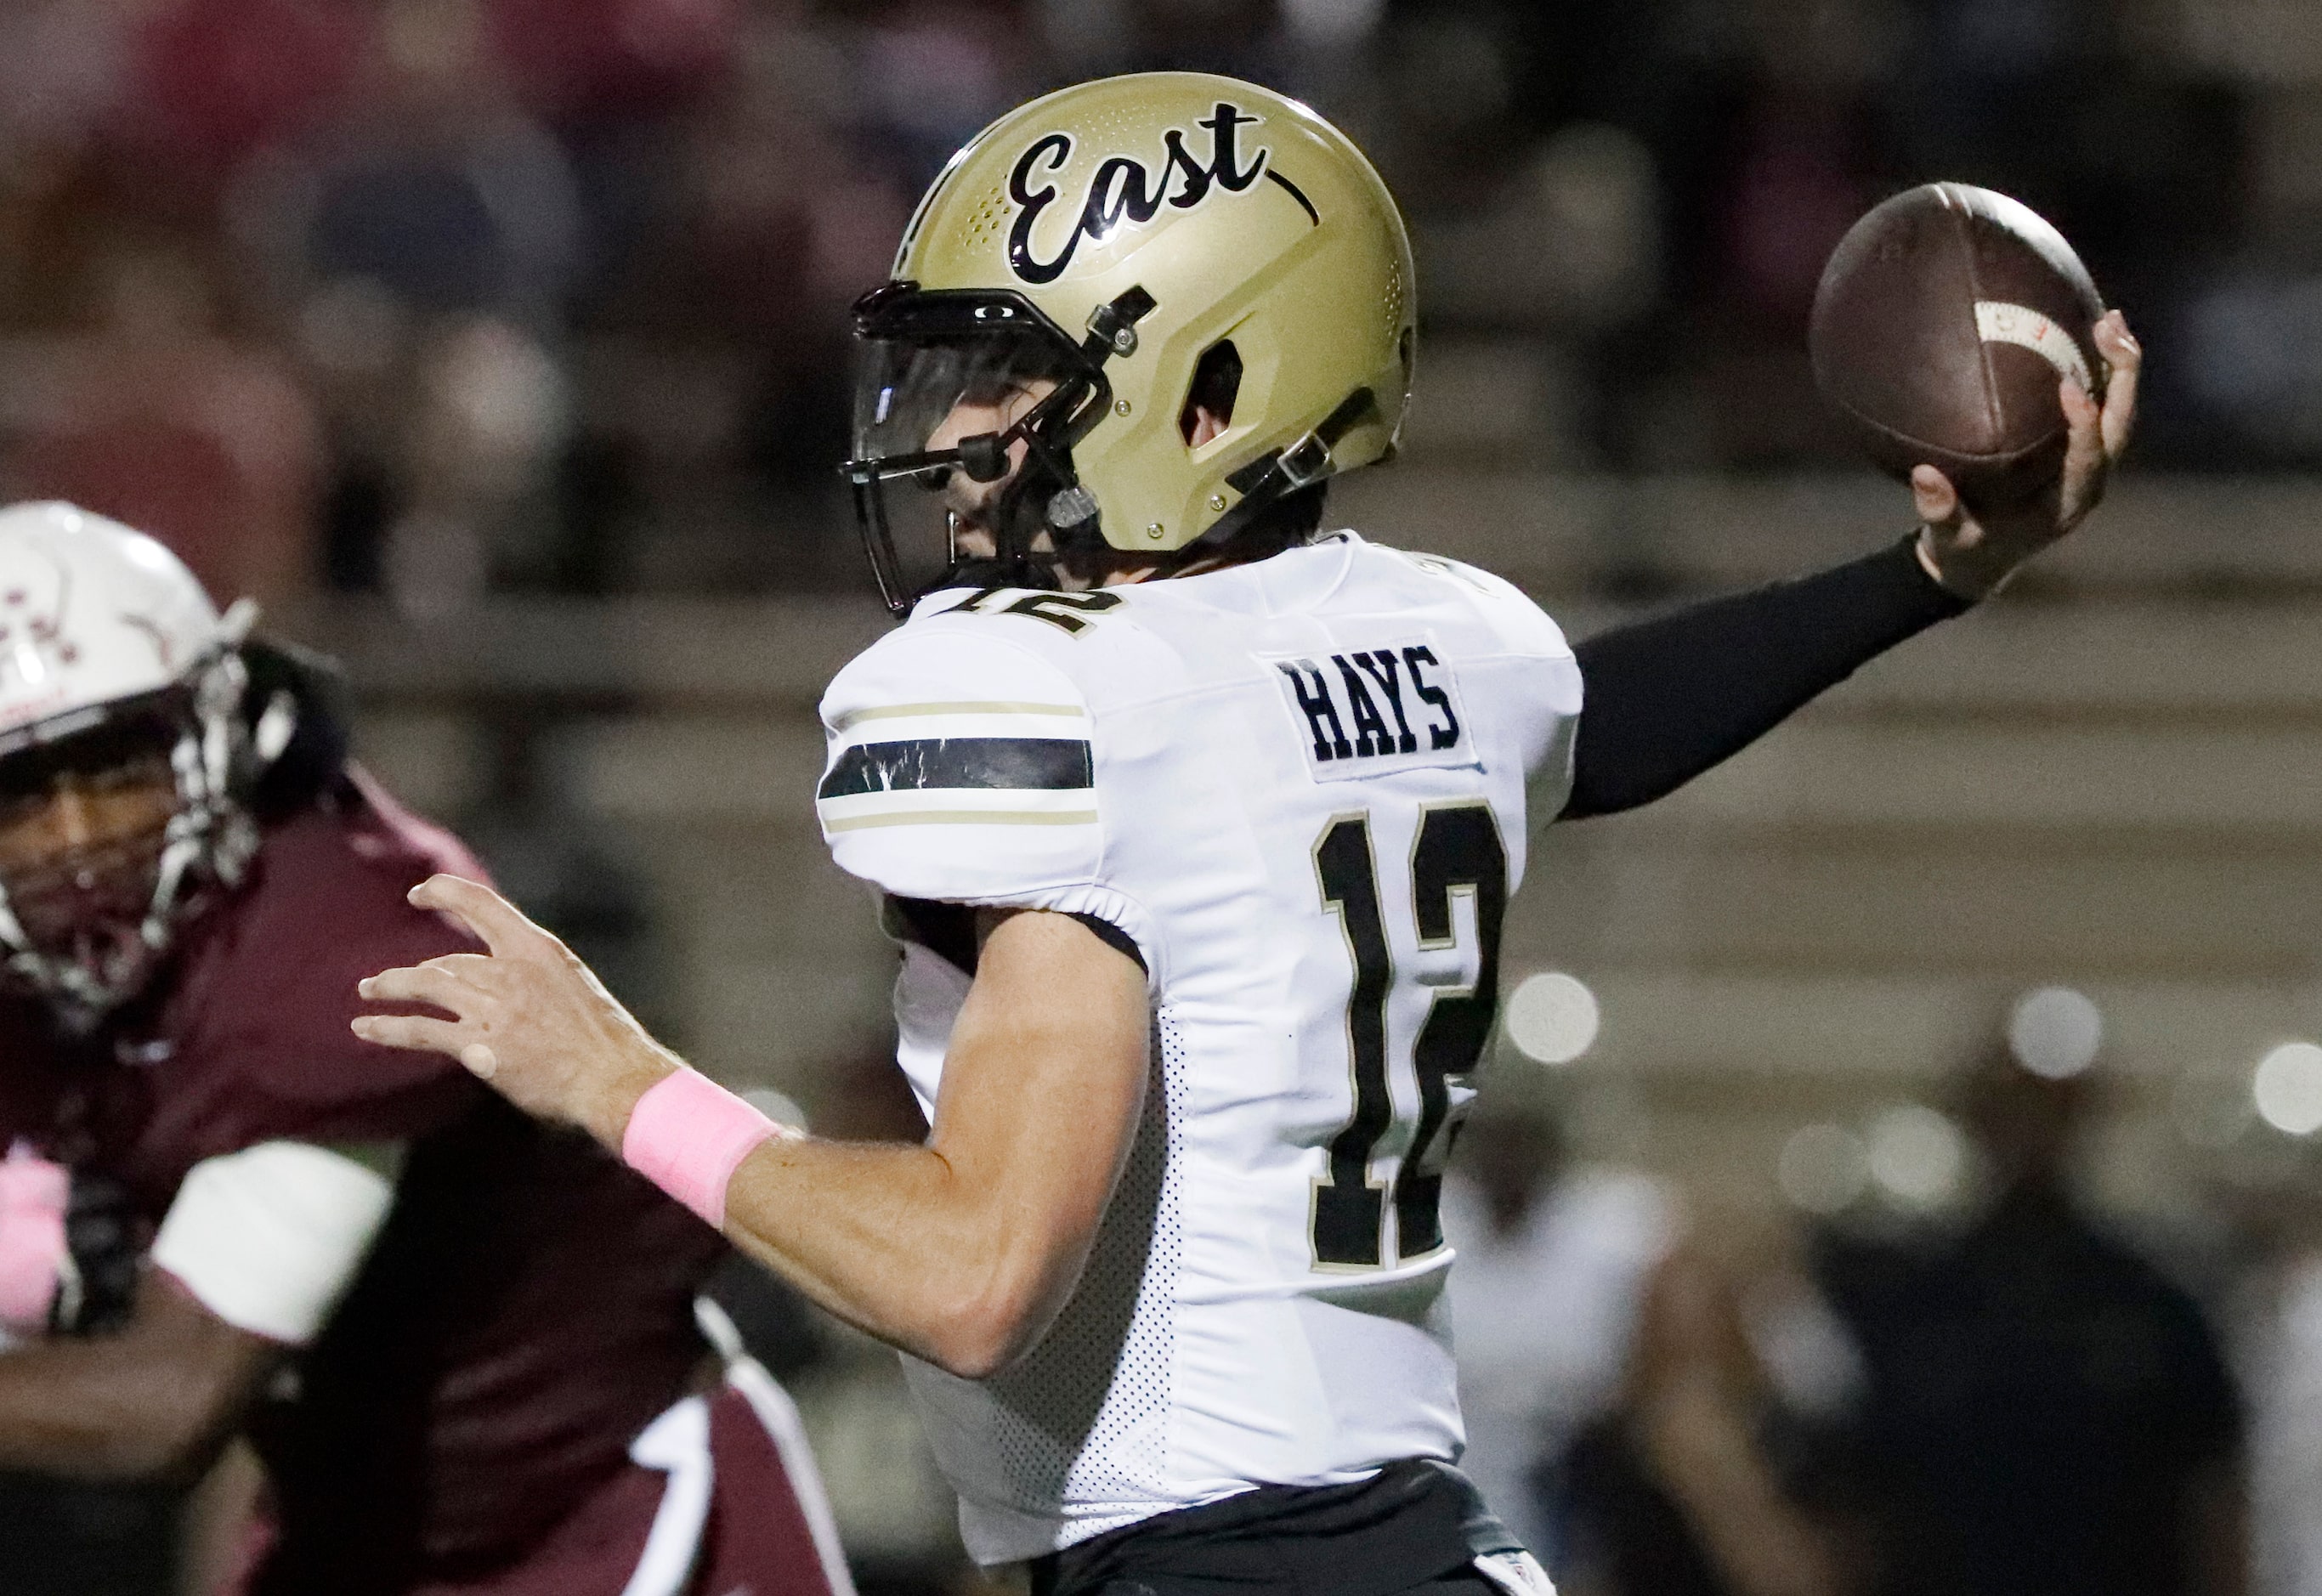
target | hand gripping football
[{"x": 1943, "y": 323}]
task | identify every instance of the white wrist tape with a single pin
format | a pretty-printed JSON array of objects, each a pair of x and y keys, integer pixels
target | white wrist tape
[{"x": 270, "y": 1237}]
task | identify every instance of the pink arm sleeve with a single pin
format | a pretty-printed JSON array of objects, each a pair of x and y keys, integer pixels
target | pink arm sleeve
[{"x": 34, "y": 1195}]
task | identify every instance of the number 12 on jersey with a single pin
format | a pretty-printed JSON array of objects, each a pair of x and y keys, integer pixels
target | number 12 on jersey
[{"x": 1458, "y": 849}]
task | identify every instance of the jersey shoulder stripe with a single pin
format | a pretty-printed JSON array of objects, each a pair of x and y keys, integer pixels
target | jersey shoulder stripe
[
  {"x": 960, "y": 766},
  {"x": 920, "y": 763},
  {"x": 849, "y": 720}
]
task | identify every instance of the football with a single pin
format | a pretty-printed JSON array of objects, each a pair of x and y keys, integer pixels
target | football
[{"x": 1941, "y": 328}]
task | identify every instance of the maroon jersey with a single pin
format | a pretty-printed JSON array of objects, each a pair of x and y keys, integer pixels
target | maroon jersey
[{"x": 527, "y": 1307}]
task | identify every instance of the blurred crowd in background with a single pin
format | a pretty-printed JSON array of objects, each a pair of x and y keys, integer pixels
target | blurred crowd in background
[
  {"x": 440, "y": 296},
  {"x": 1952, "y": 1375},
  {"x": 436, "y": 300}
]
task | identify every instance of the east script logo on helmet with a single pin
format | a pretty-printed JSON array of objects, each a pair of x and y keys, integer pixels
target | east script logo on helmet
[
  {"x": 1245, "y": 219},
  {"x": 1124, "y": 189}
]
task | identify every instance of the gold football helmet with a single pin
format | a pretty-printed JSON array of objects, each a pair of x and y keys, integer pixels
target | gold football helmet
[{"x": 1090, "y": 270}]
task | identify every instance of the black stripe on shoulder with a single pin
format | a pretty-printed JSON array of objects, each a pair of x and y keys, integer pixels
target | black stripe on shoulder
[{"x": 1044, "y": 764}]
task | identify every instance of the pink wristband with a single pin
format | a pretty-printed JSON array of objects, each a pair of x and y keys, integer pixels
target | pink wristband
[
  {"x": 33, "y": 1194},
  {"x": 688, "y": 1135}
]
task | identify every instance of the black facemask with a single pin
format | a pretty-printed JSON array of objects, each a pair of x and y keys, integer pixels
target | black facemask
[{"x": 927, "y": 354}]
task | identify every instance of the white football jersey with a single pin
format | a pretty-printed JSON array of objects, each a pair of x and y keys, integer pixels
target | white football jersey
[{"x": 1300, "y": 786}]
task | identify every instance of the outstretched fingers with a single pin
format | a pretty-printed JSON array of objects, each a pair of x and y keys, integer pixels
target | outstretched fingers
[
  {"x": 2098, "y": 433},
  {"x": 2125, "y": 359},
  {"x": 1935, "y": 499},
  {"x": 439, "y": 983},
  {"x": 417, "y": 1033},
  {"x": 435, "y": 983},
  {"x": 2085, "y": 461},
  {"x": 489, "y": 918}
]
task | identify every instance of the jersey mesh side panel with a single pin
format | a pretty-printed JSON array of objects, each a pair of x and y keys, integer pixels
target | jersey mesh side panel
[{"x": 1086, "y": 1416}]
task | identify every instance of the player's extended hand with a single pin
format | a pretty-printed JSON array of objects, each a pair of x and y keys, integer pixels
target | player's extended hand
[
  {"x": 528, "y": 1016},
  {"x": 1971, "y": 553}
]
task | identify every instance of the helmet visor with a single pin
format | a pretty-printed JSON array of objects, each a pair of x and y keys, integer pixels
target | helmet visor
[{"x": 955, "y": 419}]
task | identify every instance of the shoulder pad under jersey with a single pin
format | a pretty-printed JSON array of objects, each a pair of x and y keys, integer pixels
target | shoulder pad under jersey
[{"x": 960, "y": 766}]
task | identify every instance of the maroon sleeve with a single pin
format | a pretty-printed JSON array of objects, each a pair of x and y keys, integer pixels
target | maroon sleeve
[
  {"x": 33, "y": 1080},
  {"x": 257, "y": 1031}
]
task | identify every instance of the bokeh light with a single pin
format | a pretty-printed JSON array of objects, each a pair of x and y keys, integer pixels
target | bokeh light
[
  {"x": 2288, "y": 1088},
  {"x": 1553, "y": 1017},
  {"x": 1917, "y": 1156},
  {"x": 2054, "y": 1031}
]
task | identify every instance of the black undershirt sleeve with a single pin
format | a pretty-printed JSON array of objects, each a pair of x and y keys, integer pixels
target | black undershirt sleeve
[
  {"x": 948, "y": 930},
  {"x": 1665, "y": 699}
]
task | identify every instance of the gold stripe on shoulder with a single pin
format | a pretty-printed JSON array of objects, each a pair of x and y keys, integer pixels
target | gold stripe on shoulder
[
  {"x": 965, "y": 817},
  {"x": 856, "y": 717}
]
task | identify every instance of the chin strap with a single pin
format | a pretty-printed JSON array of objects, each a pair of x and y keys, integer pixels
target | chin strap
[
  {"x": 994, "y": 573},
  {"x": 1265, "y": 481},
  {"x": 211, "y": 833},
  {"x": 1047, "y": 495}
]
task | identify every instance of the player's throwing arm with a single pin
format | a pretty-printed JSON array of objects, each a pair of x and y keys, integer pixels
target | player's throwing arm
[{"x": 960, "y": 1251}]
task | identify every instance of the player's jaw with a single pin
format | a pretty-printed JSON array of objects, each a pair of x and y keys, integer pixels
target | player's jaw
[{"x": 974, "y": 507}]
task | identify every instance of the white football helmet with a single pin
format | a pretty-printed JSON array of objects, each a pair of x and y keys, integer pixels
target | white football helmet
[{"x": 111, "y": 653}]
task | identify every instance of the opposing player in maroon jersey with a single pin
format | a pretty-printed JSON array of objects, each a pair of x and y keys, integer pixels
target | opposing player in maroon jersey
[{"x": 464, "y": 1346}]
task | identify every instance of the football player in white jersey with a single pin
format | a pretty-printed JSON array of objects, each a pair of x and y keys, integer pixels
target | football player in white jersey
[{"x": 1195, "y": 828}]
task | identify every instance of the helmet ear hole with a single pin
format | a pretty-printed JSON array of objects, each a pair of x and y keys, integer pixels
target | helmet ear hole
[{"x": 1216, "y": 382}]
